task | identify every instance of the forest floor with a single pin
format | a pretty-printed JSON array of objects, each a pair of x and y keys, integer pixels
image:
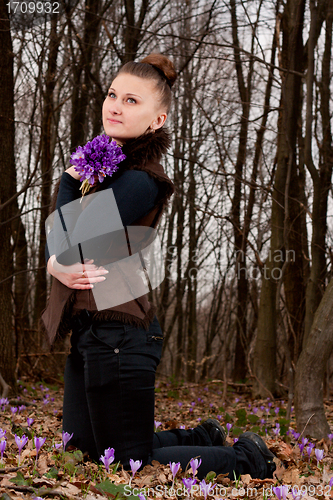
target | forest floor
[{"x": 68, "y": 475}]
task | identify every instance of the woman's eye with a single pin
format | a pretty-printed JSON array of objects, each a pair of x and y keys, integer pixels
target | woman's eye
[
  {"x": 131, "y": 100},
  {"x": 111, "y": 94}
]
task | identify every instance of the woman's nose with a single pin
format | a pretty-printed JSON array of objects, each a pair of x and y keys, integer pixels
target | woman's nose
[{"x": 115, "y": 108}]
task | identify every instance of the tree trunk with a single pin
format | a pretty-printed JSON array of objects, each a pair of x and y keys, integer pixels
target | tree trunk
[
  {"x": 285, "y": 220},
  {"x": 8, "y": 188},
  {"x": 310, "y": 369},
  {"x": 322, "y": 177},
  {"x": 46, "y": 167}
]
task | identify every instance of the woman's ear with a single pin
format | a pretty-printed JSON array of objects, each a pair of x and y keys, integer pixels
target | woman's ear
[{"x": 159, "y": 122}]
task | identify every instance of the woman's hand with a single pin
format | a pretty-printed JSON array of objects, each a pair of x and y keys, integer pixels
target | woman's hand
[{"x": 77, "y": 276}]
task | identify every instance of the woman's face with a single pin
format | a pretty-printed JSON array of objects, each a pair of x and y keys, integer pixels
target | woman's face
[{"x": 131, "y": 107}]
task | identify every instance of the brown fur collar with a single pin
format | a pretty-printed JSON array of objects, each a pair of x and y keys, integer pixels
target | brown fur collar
[{"x": 146, "y": 148}]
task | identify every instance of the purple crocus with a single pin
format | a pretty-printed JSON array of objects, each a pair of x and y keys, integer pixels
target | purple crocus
[
  {"x": 107, "y": 458},
  {"x": 57, "y": 446},
  {"x": 296, "y": 435},
  {"x": 65, "y": 438},
  {"x": 281, "y": 491},
  {"x": 228, "y": 426},
  {"x": 141, "y": 496},
  {"x": 319, "y": 455},
  {"x": 21, "y": 442},
  {"x": 330, "y": 436},
  {"x": 30, "y": 421},
  {"x": 3, "y": 443},
  {"x": 304, "y": 441},
  {"x": 195, "y": 464},
  {"x": 309, "y": 449},
  {"x": 2, "y": 433},
  {"x": 99, "y": 157},
  {"x": 174, "y": 469},
  {"x": 205, "y": 488},
  {"x": 188, "y": 483},
  {"x": 135, "y": 465},
  {"x": 157, "y": 424},
  {"x": 39, "y": 441},
  {"x": 13, "y": 409},
  {"x": 296, "y": 493}
]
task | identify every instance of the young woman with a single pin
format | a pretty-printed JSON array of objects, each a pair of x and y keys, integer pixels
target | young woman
[{"x": 110, "y": 372}]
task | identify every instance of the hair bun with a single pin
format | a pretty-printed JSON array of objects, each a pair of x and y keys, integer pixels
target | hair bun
[{"x": 163, "y": 65}]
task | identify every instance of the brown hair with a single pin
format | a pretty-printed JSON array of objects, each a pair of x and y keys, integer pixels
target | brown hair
[{"x": 158, "y": 68}]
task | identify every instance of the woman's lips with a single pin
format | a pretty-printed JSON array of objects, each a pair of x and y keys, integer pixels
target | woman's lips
[{"x": 110, "y": 120}]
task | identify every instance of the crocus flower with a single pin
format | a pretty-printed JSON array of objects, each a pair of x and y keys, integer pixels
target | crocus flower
[
  {"x": 107, "y": 458},
  {"x": 235, "y": 440},
  {"x": 135, "y": 465},
  {"x": 2, "y": 433},
  {"x": 157, "y": 424},
  {"x": 228, "y": 426},
  {"x": 65, "y": 438},
  {"x": 188, "y": 483},
  {"x": 296, "y": 493},
  {"x": 21, "y": 442},
  {"x": 182, "y": 427},
  {"x": 276, "y": 431},
  {"x": 331, "y": 482},
  {"x": 141, "y": 496},
  {"x": 39, "y": 441},
  {"x": 195, "y": 464},
  {"x": 13, "y": 409},
  {"x": 330, "y": 436},
  {"x": 205, "y": 488},
  {"x": 319, "y": 455},
  {"x": 309, "y": 449},
  {"x": 174, "y": 469},
  {"x": 304, "y": 441},
  {"x": 57, "y": 446},
  {"x": 301, "y": 448},
  {"x": 277, "y": 409},
  {"x": 30, "y": 421},
  {"x": 3, "y": 443},
  {"x": 281, "y": 491},
  {"x": 296, "y": 435}
]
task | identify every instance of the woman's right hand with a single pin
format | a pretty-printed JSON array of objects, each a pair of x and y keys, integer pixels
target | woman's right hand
[{"x": 76, "y": 276}]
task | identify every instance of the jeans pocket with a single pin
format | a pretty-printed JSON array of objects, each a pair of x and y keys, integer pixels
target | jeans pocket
[{"x": 111, "y": 333}]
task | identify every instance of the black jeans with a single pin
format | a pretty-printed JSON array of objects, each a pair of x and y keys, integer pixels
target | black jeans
[{"x": 109, "y": 402}]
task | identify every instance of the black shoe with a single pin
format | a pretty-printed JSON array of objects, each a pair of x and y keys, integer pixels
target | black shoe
[
  {"x": 216, "y": 432},
  {"x": 261, "y": 445}
]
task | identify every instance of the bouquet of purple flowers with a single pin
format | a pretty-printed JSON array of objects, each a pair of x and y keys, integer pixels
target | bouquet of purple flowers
[{"x": 98, "y": 157}]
